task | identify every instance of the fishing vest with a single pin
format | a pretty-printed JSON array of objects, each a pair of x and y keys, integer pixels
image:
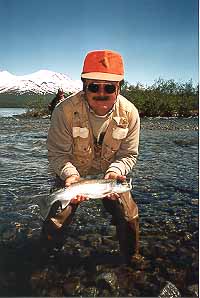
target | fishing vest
[{"x": 83, "y": 141}]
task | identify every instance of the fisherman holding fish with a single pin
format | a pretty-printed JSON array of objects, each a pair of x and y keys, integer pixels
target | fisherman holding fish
[{"x": 95, "y": 131}]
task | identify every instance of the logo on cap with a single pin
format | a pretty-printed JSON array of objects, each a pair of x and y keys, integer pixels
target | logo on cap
[{"x": 105, "y": 62}]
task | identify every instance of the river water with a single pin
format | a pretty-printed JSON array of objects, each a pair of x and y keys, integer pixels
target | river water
[
  {"x": 10, "y": 112},
  {"x": 165, "y": 187}
]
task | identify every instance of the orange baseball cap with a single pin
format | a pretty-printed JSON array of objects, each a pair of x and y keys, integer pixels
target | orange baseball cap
[{"x": 103, "y": 65}]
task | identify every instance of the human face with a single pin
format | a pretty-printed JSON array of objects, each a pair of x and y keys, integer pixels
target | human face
[{"x": 99, "y": 96}]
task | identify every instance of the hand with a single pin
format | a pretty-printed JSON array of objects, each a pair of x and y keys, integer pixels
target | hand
[
  {"x": 79, "y": 198},
  {"x": 71, "y": 179},
  {"x": 113, "y": 196},
  {"x": 113, "y": 175}
]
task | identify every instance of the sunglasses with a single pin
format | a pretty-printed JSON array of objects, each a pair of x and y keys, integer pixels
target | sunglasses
[{"x": 108, "y": 88}]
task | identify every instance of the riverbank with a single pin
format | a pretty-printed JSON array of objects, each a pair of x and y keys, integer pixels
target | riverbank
[
  {"x": 165, "y": 187},
  {"x": 170, "y": 123}
]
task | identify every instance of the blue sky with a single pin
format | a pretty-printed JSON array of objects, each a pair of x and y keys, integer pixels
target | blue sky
[{"x": 157, "y": 38}]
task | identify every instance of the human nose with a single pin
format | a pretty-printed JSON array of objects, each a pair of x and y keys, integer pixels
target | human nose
[{"x": 101, "y": 90}]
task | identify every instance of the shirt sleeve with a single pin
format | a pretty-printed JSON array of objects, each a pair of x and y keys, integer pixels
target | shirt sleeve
[
  {"x": 126, "y": 157},
  {"x": 59, "y": 145}
]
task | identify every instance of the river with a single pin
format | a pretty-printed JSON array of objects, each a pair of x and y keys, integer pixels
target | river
[
  {"x": 10, "y": 112},
  {"x": 165, "y": 187}
]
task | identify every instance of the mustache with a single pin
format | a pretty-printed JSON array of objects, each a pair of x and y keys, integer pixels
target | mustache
[{"x": 100, "y": 98}]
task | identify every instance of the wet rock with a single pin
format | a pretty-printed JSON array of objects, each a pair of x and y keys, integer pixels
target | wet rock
[
  {"x": 85, "y": 252},
  {"x": 159, "y": 250},
  {"x": 71, "y": 286},
  {"x": 9, "y": 234},
  {"x": 195, "y": 202},
  {"x": 193, "y": 290},
  {"x": 104, "y": 230},
  {"x": 139, "y": 277},
  {"x": 170, "y": 290},
  {"x": 149, "y": 289},
  {"x": 178, "y": 276},
  {"x": 159, "y": 279},
  {"x": 188, "y": 142},
  {"x": 107, "y": 280},
  {"x": 145, "y": 250},
  {"x": 159, "y": 261},
  {"x": 8, "y": 280},
  {"x": 82, "y": 238},
  {"x": 108, "y": 241},
  {"x": 99, "y": 268},
  {"x": 129, "y": 293},
  {"x": 105, "y": 293},
  {"x": 90, "y": 292},
  {"x": 102, "y": 250},
  {"x": 38, "y": 282},
  {"x": 69, "y": 249},
  {"x": 112, "y": 231},
  {"x": 55, "y": 292},
  {"x": 188, "y": 236},
  {"x": 135, "y": 282},
  {"x": 171, "y": 248},
  {"x": 142, "y": 264},
  {"x": 94, "y": 240}
]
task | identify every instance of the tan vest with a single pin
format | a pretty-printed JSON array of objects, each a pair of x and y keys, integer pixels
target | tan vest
[{"x": 83, "y": 145}]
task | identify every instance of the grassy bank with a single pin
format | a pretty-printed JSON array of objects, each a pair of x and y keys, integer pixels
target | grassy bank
[{"x": 164, "y": 98}]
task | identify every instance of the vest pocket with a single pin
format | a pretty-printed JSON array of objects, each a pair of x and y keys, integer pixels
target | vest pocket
[
  {"x": 119, "y": 133},
  {"x": 82, "y": 150}
]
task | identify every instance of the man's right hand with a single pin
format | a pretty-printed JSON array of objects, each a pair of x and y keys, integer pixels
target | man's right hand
[
  {"x": 79, "y": 198},
  {"x": 71, "y": 179}
]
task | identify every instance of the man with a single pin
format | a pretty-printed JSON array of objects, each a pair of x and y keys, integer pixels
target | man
[
  {"x": 96, "y": 131},
  {"x": 59, "y": 97}
]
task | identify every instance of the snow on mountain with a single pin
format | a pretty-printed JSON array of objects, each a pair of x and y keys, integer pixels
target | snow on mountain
[{"x": 40, "y": 82}]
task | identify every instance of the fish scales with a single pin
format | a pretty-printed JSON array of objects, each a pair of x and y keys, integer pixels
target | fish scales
[{"x": 92, "y": 188}]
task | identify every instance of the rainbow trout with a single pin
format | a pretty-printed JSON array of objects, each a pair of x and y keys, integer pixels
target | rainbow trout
[{"x": 94, "y": 189}]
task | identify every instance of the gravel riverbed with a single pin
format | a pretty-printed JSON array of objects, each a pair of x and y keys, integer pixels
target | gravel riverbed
[{"x": 165, "y": 187}]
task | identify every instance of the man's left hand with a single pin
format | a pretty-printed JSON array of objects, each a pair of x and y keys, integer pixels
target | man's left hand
[{"x": 112, "y": 175}]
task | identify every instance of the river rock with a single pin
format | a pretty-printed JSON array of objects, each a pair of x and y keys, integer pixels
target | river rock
[
  {"x": 94, "y": 240},
  {"x": 38, "y": 282},
  {"x": 107, "y": 280},
  {"x": 90, "y": 292},
  {"x": 170, "y": 290},
  {"x": 9, "y": 235},
  {"x": 71, "y": 286},
  {"x": 193, "y": 290}
]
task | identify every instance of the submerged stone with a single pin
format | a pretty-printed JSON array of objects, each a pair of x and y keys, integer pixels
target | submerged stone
[
  {"x": 193, "y": 290},
  {"x": 71, "y": 286},
  {"x": 107, "y": 280},
  {"x": 170, "y": 290}
]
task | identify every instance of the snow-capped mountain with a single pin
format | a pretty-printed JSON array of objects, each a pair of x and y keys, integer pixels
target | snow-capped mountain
[{"x": 40, "y": 82}]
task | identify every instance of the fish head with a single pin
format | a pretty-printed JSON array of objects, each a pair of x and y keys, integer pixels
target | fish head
[{"x": 123, "y": 186}]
